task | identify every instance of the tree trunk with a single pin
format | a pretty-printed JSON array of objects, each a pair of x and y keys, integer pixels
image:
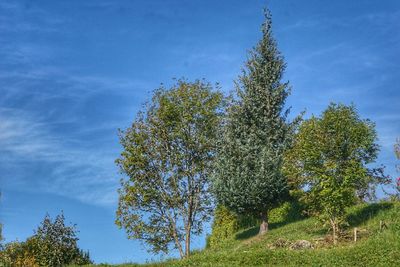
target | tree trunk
[
  {"x": 187, "y": 243},
  {"x": 178, "y": 245},
  {"x": 334, "y": 235},
  {"x": 334, "y": 231},
  {"x": 264, "y": 223},
  {"x": 175, "y": 236}
]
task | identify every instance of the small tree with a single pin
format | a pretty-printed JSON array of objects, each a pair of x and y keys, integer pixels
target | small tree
[
  {"x": 248, "y": 177},
  {"x": 167, "y": 155},
  {"x": 56, "y": 243},
  {"x": 329, "y": 161}
]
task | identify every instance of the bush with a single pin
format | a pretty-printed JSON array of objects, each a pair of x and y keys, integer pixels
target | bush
[
  {"x": 225, "y": 224},
  {"x": 54, "y": 244},
  {"x": 19, "y": 254},
  {"x": 57, "y": 243},
  {"x": 289, "y": 211}
]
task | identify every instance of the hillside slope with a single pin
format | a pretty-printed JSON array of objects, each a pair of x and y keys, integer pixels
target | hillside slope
[{"x": 375, "y": 247}]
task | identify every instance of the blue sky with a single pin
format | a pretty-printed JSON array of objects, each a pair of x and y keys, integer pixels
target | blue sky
[{"x": 73, "y": 72}]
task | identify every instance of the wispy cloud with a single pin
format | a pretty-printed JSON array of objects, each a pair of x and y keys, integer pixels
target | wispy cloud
[
  {"x": 355, "y": 66},
  {"x": 379, "y": 19},
  {"x": 27, "y": 17},
  {"x": 45, "y": 124},
  {"x": 73, "y": 169},
  {"x": 58, "y": 125}
]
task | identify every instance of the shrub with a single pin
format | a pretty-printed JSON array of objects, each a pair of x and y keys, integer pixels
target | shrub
[
  {"x": 57, "y": 243},
  {"x": 54, "y": 244},
  {"x": 225, "y": 224},
  {"x": 289, "y": 211},
  {"x": 19, "y": 254}
]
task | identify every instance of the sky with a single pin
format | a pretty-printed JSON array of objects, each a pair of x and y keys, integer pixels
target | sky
[{"x": 73, "y": 72}]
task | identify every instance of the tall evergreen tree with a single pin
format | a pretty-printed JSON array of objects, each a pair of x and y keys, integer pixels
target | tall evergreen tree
[{"x": 248, "y": 178}]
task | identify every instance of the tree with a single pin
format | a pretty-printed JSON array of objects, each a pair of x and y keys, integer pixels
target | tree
[
  {"x": 53, "y": 244},
  {"x": 167, "y": 156},
  {"x": 57, "y": 243},
  {"x": 248, "y": 177},
  {"x": 329, "y": 161}
]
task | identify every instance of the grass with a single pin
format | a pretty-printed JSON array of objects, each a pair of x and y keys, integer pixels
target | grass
[{"x": 375, "y": 247}]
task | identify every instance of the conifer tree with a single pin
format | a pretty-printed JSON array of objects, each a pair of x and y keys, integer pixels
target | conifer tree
[{"x": 248, "y": 177}]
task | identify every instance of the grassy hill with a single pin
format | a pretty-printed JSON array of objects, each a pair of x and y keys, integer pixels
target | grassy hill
[{"x": 374, "y": 247}]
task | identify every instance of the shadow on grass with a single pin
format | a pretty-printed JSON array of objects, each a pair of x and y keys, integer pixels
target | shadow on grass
[
  {"x": 253, "y": 231},
  {"x": 356, "y": 218},
  {"x": 289, "y": 212},
  {"x": 247, "y": 233},
  {"x": 366, "y": 213}
]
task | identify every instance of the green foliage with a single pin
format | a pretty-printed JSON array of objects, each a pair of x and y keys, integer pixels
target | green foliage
[
  {"x": 167, "y": 156},
  {"x": 224, "y": 226},
  {"x": 57, "y": 243},
  {"x": 289, "y": 211},
  {"x": 248, "y": 178},
  {"x": 329, "y": 159},
  {"x": 19, "y": 254},
  {"x": 54, "y": 244},
  {"x": 226, "y": 223}
]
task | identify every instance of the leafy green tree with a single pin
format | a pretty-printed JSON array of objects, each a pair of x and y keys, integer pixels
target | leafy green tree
[
  {"x": 56, "y": 243},
  {"x": 167, "y": 156},
  {"x": 329, "y": 161},
  {"x": 248, "y": 177},
  {"x": 53, "y": 244}
]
